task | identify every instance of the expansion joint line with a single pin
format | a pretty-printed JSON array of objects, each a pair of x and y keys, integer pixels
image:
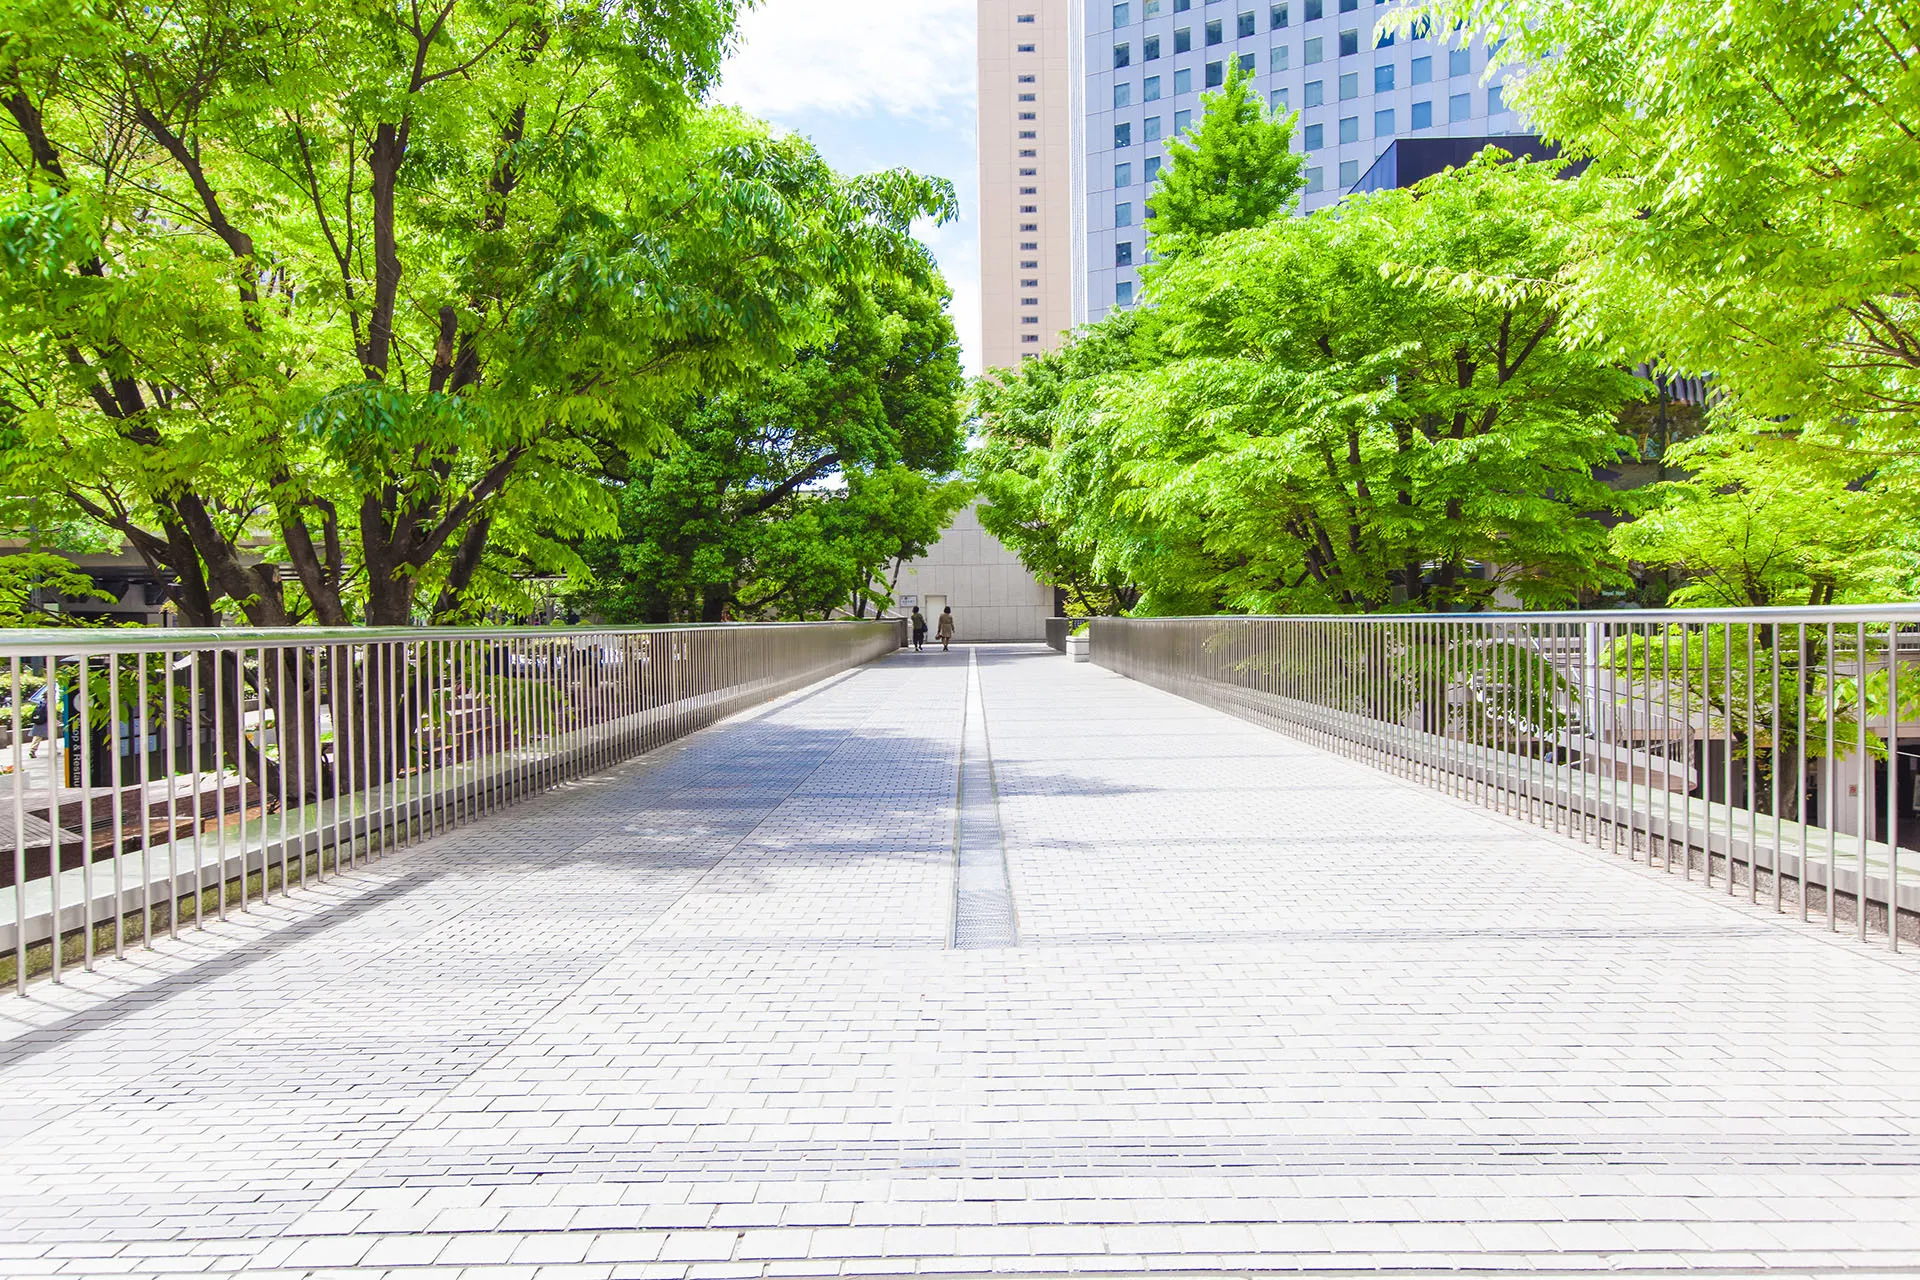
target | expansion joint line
[{"x": 983, "y": 915}]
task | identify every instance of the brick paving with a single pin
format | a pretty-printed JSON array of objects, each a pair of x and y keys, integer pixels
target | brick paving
[{"x": 1269, "y": 1011}]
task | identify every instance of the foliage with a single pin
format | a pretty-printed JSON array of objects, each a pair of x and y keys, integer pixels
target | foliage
[
  {"x": 1237, "y": 170},
  {"x": 23, "y": 574},
  {"x": 1015, "y": 414},
  {"x": 377, "y": 284},
  {"x": 1378, "y": 406},
  {"x": 1757, "y": 523},
  {"x": 1759, "y": 164},
  {"x": 790, "y": 496}
]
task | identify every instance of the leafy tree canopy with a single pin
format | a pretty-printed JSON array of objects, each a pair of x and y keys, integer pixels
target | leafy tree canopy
[{"x": 1237, "y": 170}]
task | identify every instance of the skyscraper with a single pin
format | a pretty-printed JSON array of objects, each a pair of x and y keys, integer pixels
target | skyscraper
[
  {"x": 1146, "y": 63},
  {"x": 1029, "y": 114}
]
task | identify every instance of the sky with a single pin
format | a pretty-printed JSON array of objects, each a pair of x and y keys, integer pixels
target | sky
[{"x": 877, "y": 84}]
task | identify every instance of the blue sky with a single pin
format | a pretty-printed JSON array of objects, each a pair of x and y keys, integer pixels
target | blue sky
[{"x": 877, "y": 84}]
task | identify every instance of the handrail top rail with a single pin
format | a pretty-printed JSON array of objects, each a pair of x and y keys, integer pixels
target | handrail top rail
[
  {"x": 1792, "y": 614},
  {"x": 39, "y": 641}
]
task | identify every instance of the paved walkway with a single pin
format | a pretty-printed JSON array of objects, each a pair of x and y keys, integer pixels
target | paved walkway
[{"x": 1268, "y": 1010}]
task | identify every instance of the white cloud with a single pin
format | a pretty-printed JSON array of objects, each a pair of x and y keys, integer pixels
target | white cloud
[{"x": 902, "y": 57}]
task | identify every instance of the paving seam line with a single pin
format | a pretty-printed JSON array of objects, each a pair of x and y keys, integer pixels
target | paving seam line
[{"x": 983, "y": 914}]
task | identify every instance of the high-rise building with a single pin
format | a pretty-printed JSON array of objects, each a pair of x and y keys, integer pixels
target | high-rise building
[
  {"x": 1145, "y": 64},
  {"x": 1029, "y": 114}
]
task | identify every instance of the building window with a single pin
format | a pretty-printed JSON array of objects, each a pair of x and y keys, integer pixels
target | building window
[
  {"x": 1030, "y": 133},
  {"x": 1122, "y": 56},
  {"x": 1026, "y": 79},
  {"x": 1277, "y": 17},
  {"x": 1025, "y": 17},
  {"x": 1312, "y": 9},
  {"x": 1384, "y": 40},
  {"x": 1150, "y": 129},
  {"x": 1123, "y": 294},
  {"x": 1422, "y": 115},
  {"x": 1029, "y": 226},
  {"x": 1181, "y": 120},
  {"x": 1121, "y": 17},
  {"x": 1150, "y": 9},
  {"x": 1029, "y": 191},
  {"x": 1215, "y": 75},
  {"x": 1123, "y": 175},
  {"x": 1030, "y": 246},
  {"x": 1459, "y": 62},
  {"x": 1277, "y": 58},
  {"x": 1122, "y": 94},
  {"x": 1149, "y": 171},
  {"x": 1349, "y": 43},
  {"x": 1028, "y": 115},
  {"x": 1348, "y": 6},
  {"x": 1383, "y": 78},
  {"x": 1314, "y": 137},
  {"x": 1150, "y": 89},
  {"x": 1183, "y": 40},
  {"x": 1459, "y": 107},
  {"x": 1123, "y": 135},
  {"x": 1349, "y": 173},
  {"x": 1031, "y": 282},
  {"x": 1277, "y": 101},
  {"x": 1214, "y": 34},
  {"x": 1420, "y": 71},
  {"x": 1421, "y": 28},
  {"x": 1183, "y": 81},
  {"x": 1315, "y": 182},
  {"x": 1029, "y": 302},
  {"x": 1029, "y": 264},
  {"x": 1349, "y": 128},
  {"x": 1349, "y": 86},
  {"x": 1243, "y": 25},
  {"x": 1123, "y": 254},
  {"x": 1310, "y": 52},
  {"x": 1029, "y": 97},
  {"x": 1181, "y": 6},
  {"x": 1123, "y": 214},
  {"x": 1029, "y": 337},
  {"x": 1029, "y": 155},
  {"x": 1023, "y": 48},
  {"x": 1029, "y": 173},
  {"x": 1150, "y": 49},
  {"x": 1316, "y": 92},
  {"x": 1383, "y": 123},
  {"x": 1029, "y": 208},
  {"x": 1247, "y": 63},
  {"x": 1029, "y": 319},
  {"x": 1496, "y": 100}
]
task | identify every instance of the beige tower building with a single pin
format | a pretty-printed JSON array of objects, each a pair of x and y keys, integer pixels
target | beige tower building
[{"x": 1029, "y": 105}]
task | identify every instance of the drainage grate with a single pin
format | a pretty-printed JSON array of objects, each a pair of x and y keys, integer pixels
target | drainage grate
[{"x": 982, "y": 894}]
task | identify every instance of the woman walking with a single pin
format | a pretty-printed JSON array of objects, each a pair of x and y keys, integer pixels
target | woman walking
[{"x": 944, "y": 633}]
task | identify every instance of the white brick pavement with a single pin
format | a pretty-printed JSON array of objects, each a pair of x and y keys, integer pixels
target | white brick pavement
[{"x": 1270, "y": 1011}]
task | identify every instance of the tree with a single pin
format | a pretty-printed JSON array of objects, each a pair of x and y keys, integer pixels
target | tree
[
  {"x": 26, "y": 578},
  {"x": 1760, "y": 161},
  {"x": 1016, "y": 414},
  {"x": 1754, "y": 526},
  {"x": 788, "y": 496},
  {"x": 348, "y": 288},
  {"x": 1237, "y": 170},
  {"x": 1379, "y": 406}
]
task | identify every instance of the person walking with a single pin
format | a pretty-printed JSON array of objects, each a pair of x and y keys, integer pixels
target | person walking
[
  {"x": 919, "y": 630},
  {"x": 944, "y": 633}
]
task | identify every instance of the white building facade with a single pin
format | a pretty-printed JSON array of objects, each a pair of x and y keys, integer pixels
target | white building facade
[
  {"x": 993, "y": 596},
  {"x": 1145, "y": 65}
]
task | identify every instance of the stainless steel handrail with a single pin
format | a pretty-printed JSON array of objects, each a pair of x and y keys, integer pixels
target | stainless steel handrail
[
  {"x": 156, "y": 777},
  {"x": 1771, "y": 750}
]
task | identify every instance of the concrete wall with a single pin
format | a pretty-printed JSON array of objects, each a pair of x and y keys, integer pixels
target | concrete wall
[{"x": 992, "y": 594}]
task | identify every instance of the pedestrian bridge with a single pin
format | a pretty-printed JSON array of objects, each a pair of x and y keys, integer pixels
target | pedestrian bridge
[{"x": 971, "y": 962}]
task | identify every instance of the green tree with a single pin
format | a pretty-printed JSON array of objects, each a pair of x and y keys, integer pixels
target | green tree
[
  {"x": 1761, "y": 164},
  {"x": 1379, "y": 406},
  {"x": 352, "y": 288},
  {"x": 1237, "y": 170},
  {"x": 1754, "y": 525},
  {"x": 28, "y": 578},
  {"x": 789, "y": 496}
]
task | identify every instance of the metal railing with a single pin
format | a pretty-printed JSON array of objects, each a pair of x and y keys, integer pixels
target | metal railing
[
  {"x": 159, "y": 778},
  {"x": 1775, "y": 751}
]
